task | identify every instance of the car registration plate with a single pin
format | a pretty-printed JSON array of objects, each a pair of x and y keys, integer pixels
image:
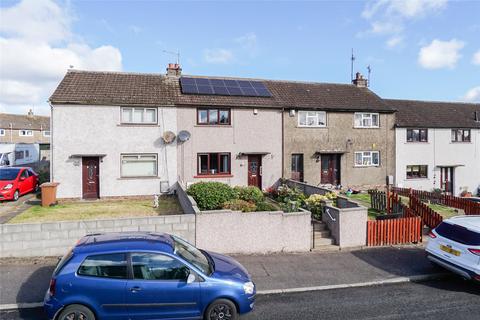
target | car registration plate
[{"x": 450, "y": 250}]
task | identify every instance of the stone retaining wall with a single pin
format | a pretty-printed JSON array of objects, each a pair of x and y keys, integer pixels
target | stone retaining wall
[{"x": 54, "y": 238}]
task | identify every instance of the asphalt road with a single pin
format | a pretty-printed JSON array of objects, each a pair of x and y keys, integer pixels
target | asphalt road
[{"x": 447, "y": 299}]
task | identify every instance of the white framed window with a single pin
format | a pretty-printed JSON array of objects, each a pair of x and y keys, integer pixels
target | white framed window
[
  {"x": 312, "y": 119},
  {"x": 46, "y": 133},
  {"x": 2, "y": 132},
  {"x": 25, "y": 133},
  {"x": 139, "y": 115},
  {"x": 367, "y": 159},
  {"x": 138, "y": 165},
  {"x": 366, "y": 120}
]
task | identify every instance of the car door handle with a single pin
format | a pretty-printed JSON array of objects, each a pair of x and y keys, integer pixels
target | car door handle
[{"x": 135, "y": 289}]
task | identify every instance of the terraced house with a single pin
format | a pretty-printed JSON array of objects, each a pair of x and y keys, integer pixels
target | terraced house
[
  {"x": 437, "y": 145},
  {"x": 118, "y": 134}
]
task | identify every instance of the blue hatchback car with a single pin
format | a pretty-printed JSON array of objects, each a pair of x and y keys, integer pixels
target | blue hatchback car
[{"x": 146, "y": 276}]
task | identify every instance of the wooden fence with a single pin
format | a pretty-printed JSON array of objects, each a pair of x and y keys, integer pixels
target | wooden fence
[
  {"x": 394, "y": 231},
  {"x": 469, "y": 207},
  {"x": 380, "y": 202},
  {"x": 428, "y": 215}
]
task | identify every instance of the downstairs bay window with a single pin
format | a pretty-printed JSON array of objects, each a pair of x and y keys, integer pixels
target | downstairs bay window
[{"x": 213, "y": 164}]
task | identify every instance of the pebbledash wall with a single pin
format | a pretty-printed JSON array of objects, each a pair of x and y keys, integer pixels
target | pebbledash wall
[{"x": 54, "y": 238}]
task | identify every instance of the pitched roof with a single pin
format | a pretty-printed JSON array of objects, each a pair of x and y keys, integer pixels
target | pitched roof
[
  {"x": 19, "y": 121},
  {"x": 432, "y": 114},
  {"x": 119, "y": 88}
]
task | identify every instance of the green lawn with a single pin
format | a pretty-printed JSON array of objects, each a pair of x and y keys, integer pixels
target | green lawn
[
  {"x": 100, "y": 209},
  {"x": 361, "y": 198},
  {"x": 444, "y": 211}
]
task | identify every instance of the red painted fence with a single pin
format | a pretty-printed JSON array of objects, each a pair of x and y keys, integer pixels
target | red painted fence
[
  {"x": 429, "y": 216},
  {"x": 470, "y": 207},
  {"x": 394, "y": 231}
]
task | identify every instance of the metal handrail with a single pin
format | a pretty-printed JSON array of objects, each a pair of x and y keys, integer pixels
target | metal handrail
[{"x": 328, "y": 212}]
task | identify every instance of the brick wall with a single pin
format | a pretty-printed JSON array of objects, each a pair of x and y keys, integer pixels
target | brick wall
[{"x": 54, "y": 238}]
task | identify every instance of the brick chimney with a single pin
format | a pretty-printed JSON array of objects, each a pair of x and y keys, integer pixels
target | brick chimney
[
  {"x": 359, "y": 81},
  {"x": 174, "y": 70},
  {"x": 30, "y": 113}
]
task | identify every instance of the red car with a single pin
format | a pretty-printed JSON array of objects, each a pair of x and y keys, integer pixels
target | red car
[{"x": 15, "y": 182}]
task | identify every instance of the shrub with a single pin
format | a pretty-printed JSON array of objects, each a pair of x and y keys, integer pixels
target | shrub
[
  {"x": 250, "y": 194},
  {"x": 265, "y": 206},
  {"x": 286, "y": 194},
  {"x": 211, "y": 195},
  {"x": 240, "y": 205}
]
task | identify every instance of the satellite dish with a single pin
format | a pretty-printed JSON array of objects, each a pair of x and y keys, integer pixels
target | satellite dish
[
  {"x": 168, "y": 136},
  {"x": 184, "y": 135}
]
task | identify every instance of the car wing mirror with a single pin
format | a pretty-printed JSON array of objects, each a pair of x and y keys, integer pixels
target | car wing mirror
[{"x": 191, "y": 278}]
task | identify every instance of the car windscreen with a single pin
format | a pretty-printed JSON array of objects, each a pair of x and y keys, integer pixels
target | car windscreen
[
  {"x": 62, "y": 262},
  {"x": 9, "y": 174},
  {"x": 192, "y": 255},
  {"x": 458, "y": 234}
]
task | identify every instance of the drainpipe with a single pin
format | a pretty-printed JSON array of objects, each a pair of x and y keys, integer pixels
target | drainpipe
[
  {"x": 11, "y": 132},
  {"x": 51, "y": 140},
  {"x": 283, "y": 143}
]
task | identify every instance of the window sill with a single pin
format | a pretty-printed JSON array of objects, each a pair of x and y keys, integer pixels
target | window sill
[
  {"x": 214, "y": 125},
  {"x": 312, "y": 127},
  {"x": 137, "y": 125},
  {"x": 374, "y": 166},
  {"x": 138, "y": 178},
  {"x": 366, "y": 127},
  {"x": 213, "y": 176},
  {"x": 460, "y": 142},
  {"x": 416, "y": 179},
  {"x": 415, "y": 142}
]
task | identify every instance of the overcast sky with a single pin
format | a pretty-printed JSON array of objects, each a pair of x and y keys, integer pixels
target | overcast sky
[{"x": 417, "y": 49}]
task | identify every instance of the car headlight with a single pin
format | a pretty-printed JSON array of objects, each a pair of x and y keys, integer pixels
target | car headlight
[
  {"x": 8, "y": 186},
  {"x": 248, "y": 287}
]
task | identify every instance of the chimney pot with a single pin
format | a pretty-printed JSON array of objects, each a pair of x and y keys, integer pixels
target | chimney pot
[
  {"x": 30, "y": 113},
  {"x": 359, "y": 81},
  {"x": 174, "y": 70}
]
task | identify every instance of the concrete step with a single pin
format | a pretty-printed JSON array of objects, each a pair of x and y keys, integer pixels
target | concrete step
[
  {"x": 322, "y": 234},
  {"x": 326, "y": 248},
  {"x": 322, "y": 242},
  {"x": 319, "y": 226}
]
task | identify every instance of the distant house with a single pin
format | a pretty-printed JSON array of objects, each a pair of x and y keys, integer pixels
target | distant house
[
  {"x": 29, "y": 128},
  {"x": 437, "y": 145}
]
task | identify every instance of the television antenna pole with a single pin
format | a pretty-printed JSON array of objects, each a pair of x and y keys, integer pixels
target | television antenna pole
[{"x": 174, "y": 53}]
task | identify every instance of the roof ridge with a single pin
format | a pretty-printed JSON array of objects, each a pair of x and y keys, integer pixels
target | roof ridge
[
  {"x": 116, "y": 72},
  {"x": 435, "y": 101}
]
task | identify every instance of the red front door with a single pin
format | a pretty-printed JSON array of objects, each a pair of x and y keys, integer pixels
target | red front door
[
  {"x": 446, "y": 179},
  {"x": 254, "y": 170},
  {"x": 90, "y": 174},
  {"x": 330, "y": 169}
]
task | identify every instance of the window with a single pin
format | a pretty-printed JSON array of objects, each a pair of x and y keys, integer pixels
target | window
[
  {"x": 459, "y": 234},
  {"x": 150, "y": 266},
  {"x": 417, "y": 135},
  {"x": 213, "y": 163},
  {"x": 417, "y": 172},
  {"x": 367, "y": 159},
  {"x": 191, "y": 254},
  {"x": 460, "y": 135},
  {"x": 24, "y": 174},
  {"x": 27, "y": 153},
  {"x": 297, "y": 167},
  {"x": 2, "y": 132},
  {"x": 19, "y": 155},
  {"x": 312, "y": 118},
  {"x": 366, "y": 120},
  {"x": 105, "y": 266},
  {"x": 139, "y": 115},
  {"x": 46, "y": 133},
  {"x": 138, "y": 165},
  {"x": 213, "y": 116},
  {"x": 25, "y": 133}
]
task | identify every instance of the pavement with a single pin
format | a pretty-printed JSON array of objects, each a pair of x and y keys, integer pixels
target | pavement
[
  {"x": 24, "y": 281},
  {"x": 9, "y": 209}
]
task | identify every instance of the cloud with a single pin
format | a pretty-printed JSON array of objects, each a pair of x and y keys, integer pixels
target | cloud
[
  {"x": 440, "y": 54},
  {"x": 248, "y": 41},
  {"x": 394, "y": 41},
  {"x": 218, "y": 56},
  {"x": 37, "y": 47},
  {"x": 389, "y": 17},
  {"x": 476, "y": 58},
  {"x": 472, "y": 95},
  {"x": 135, "y": 29}
]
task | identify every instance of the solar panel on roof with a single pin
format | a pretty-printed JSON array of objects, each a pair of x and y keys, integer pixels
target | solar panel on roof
[{"x": 224, "y": 87}]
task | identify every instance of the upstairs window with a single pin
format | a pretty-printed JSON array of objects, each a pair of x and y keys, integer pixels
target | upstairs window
[
  {"x": 46, "y": 133},
  {"x": 417, "y": 135},
  {"x": 213, "y": 163},
  {"x": 213, "y": 116},
  {"x": 2, "y": 132},
  {"x": 460, "y": 135},
  {"x": 417, "y": 172},
  {"x": 312, "y": 118},
  {"x": 25, "y": 133},
  {"x": 139, "y": 115},
  {"x": 367, "y": 159},
  {"x": 366, "y": 120}
]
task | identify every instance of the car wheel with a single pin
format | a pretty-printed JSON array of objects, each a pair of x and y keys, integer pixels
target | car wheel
[
  {"x": 16, "y": 195},
  {"x": 76, "y": 312},
  {"x": 221, "y": 309}
]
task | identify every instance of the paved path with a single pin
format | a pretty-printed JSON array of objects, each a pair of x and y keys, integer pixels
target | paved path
[
  {"x": 25, "y": 281},
  {"x": 9, "y": 209},
  {"x": 444, "y": 299}
]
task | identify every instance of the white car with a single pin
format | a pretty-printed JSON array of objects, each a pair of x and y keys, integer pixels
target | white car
[{"x": 455, "y": 245}]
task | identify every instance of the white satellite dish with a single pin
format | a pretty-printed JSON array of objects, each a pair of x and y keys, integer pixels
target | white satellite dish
[
  {"x": 168, "y": 137},
  {"x": 184, "y": 135}
]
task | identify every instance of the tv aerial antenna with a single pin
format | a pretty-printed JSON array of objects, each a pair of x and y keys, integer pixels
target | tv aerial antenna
[
  {"x": 369, "y": 69},
  {"x": 176, "y": 54},
  {"x": 352, "y": 60}
]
